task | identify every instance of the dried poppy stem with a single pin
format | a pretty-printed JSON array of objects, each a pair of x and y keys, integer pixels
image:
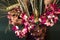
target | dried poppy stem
[
  {"x": 20, "y": 5},
  {"x": 12, "y": 6},
  {"x": 41, "y": 6},
  {"x": 31, "y": 1},
  {"x": 24, "y": 3}
]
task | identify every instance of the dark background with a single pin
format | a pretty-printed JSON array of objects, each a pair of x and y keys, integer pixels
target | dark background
[{"x": 53, "y": 33}]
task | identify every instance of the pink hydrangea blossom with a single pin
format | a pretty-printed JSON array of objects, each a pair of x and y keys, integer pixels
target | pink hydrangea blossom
[{"x": 15, "y": 28}]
